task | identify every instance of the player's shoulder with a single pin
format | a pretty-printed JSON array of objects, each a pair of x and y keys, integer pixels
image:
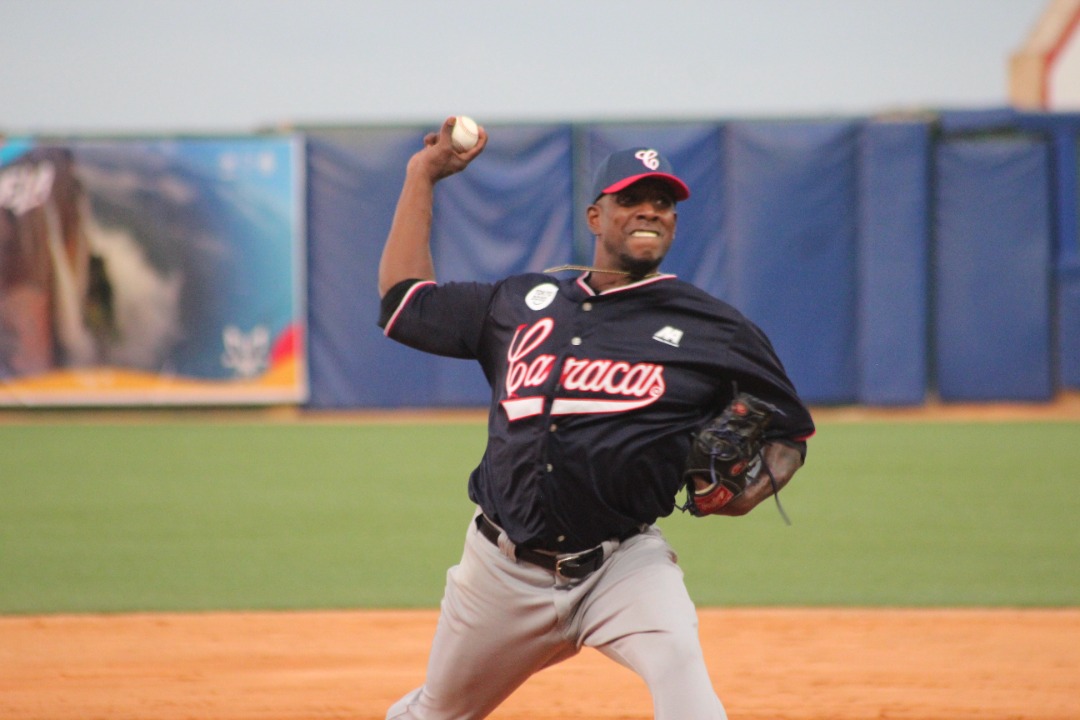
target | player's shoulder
[
  {"x": 699, "y": 300},
  {"x": 534, "y": 284},
  {"x": 527, "y": 280}
]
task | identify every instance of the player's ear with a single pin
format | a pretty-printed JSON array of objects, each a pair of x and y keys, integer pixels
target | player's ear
[{"x": 592, "y": 218}]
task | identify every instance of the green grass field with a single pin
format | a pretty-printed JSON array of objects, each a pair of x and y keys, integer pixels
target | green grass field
[{"x": 184, "y": 515}]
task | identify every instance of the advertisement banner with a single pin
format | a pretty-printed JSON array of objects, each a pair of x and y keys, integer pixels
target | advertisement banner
[{"x": 152, "y": 271}]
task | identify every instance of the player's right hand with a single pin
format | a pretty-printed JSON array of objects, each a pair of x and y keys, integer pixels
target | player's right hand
[{"x": 438, "y": 159}]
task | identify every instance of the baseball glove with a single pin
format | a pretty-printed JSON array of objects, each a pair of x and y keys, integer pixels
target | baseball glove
[{"x": 725, "y": 450}]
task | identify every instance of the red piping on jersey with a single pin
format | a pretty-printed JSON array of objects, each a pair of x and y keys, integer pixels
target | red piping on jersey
[
  {"x": 587, "y": 288},
  {"x": 404, "y": 301}
]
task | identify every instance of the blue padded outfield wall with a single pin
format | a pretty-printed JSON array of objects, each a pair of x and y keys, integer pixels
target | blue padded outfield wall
[
  {"x": 992, "y": 269},
  {"x": 892, "y": 324},
  {"x": 891, "y": 260}
]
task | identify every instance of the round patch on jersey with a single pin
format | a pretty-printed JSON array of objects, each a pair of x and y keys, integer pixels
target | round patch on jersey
[{"x": 541, "y": 296}]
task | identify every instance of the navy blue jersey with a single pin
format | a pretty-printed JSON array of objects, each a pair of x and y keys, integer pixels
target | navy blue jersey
[{"x": 594, "y": 396}]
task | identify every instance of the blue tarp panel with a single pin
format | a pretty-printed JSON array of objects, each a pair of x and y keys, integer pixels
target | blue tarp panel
[
  {"x": 353, "y": 182},
  {"x": 510, "y": 213},
  {"x": 893, "y": 257},
  {"x": 884, "y": 260},
  {"x": 992, "y": 269},
  {"x": 1067, "y": 164},
  {"x": 1069, "y": 325},
  {"x": 1063, "y": 131},
  {"x": 790, "y": 237}
]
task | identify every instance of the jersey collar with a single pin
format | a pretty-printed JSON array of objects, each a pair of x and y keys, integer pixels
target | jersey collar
[{"x": 580, "y": 282}]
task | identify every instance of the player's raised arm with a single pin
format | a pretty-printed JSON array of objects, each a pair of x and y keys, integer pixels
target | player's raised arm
[{"x": 407, "y": 253}]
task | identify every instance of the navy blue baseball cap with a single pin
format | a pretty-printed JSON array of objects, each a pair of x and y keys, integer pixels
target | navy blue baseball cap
[{"x": 625, "y": 167}]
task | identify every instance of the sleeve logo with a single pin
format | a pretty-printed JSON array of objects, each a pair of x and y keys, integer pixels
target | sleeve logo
[{"x": 541, "y": 296}]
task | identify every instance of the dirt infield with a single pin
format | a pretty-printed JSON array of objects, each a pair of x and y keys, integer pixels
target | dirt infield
[{"x": 817, "y": 664}]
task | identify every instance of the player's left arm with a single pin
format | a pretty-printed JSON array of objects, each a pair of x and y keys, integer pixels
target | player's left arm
[
  {"x": 784, "y": 450},
  {"x": 783, "y": 459}
]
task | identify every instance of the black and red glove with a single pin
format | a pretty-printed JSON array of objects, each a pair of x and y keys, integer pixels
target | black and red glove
[{"x": 723, "y": 451}]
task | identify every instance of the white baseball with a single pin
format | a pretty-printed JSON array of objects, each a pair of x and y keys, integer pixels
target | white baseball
[{"x": 465, "y": 134}]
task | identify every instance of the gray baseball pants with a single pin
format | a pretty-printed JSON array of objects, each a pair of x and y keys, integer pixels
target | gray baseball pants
[{"x": 502, "y": 621}]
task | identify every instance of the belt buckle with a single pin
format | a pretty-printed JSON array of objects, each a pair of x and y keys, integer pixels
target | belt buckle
[{"x": 578, "y": 565}]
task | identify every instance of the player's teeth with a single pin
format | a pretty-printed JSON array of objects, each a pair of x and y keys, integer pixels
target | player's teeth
[{"x": 645, "y": 233}]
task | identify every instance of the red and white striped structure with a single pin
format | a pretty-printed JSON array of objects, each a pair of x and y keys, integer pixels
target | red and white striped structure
[{"x": 1045, "y": 73}]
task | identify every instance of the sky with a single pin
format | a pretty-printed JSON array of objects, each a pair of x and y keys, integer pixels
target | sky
[{"x": 204, "y": 66}]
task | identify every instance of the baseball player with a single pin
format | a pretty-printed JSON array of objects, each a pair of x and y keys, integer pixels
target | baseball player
[{"x": 599, "y": 381}]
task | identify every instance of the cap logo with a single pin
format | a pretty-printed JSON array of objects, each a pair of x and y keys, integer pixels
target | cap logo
[{"x": 648, "y": 158}]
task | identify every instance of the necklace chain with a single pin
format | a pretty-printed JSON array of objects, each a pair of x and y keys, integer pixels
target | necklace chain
[{"x": 587, "y": 268}]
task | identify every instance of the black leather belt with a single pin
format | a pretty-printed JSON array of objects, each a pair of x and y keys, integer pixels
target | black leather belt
[{"x": 573, "y": 565}]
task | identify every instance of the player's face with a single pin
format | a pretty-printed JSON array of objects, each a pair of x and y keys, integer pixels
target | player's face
[{"x": 634, "y": 227}]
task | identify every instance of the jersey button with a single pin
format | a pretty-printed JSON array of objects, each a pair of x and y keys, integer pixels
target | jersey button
[
  {"x": 553, "y": 427},
  {"x": 575, "y": 341},
  {"x": 586, "y": 306},
  {"x": 550, "y": 467}
]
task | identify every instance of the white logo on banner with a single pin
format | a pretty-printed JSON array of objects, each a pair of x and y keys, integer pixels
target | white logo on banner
[
  {"x": 247, "y": 354},
  {"x": 648, "y": 158}
]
